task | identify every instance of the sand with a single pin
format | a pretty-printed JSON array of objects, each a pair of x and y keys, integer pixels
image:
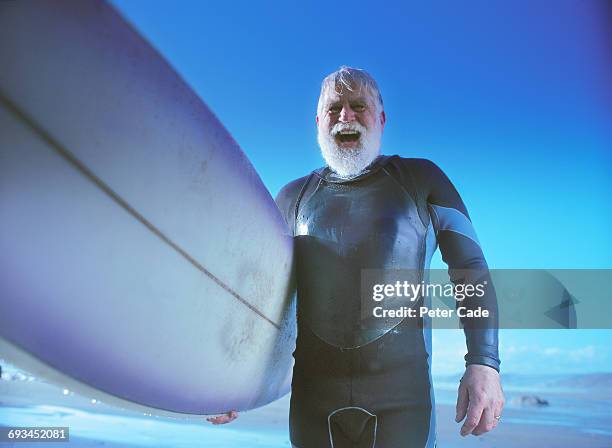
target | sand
[{"x": 24, "y": 403}]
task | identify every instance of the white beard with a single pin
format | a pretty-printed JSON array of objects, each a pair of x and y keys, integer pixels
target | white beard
[{"x": 348, "y": 163}]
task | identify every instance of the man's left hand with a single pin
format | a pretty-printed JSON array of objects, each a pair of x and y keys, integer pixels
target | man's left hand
[{"x": 480, "y": 398}]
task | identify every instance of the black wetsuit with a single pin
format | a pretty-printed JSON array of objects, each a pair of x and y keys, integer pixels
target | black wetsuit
[{"x": 354, "y": 387}]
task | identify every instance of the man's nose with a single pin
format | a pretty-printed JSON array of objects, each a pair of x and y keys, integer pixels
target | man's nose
[{"x": 346, "y": 114}]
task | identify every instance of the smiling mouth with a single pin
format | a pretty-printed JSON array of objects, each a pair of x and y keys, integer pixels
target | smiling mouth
[{"x": 348, "y": 136}]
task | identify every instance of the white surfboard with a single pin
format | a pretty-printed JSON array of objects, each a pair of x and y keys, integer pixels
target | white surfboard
[{"x": 143, "y": 261}]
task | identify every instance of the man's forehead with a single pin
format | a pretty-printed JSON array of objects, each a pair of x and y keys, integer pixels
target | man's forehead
[{"x": 334, "y": 96}]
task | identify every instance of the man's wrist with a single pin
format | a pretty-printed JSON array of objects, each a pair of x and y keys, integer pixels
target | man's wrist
[{"x": 482, "y": 360}]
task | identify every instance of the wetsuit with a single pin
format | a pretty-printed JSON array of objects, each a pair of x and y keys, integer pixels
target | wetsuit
[{"x": 364, "y": 387}]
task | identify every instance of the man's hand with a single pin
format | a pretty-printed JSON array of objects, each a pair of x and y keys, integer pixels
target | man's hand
[
  {"x": 481, "y": 398},
  {"x": 223, "y": 419}
]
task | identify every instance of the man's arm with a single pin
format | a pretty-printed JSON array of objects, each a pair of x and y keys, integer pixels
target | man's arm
[
  {"x": 480, "y": 393},
  {"x": 462, "y": 253}
]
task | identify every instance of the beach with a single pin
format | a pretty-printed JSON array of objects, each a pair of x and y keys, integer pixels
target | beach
[{"x": 578, "y": 414}]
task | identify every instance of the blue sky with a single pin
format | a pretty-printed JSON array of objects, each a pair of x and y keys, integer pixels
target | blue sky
[{"x": 511, "y": 99}]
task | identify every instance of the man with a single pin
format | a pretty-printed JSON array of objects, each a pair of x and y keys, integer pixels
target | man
[{"x": 355, "y": 386}]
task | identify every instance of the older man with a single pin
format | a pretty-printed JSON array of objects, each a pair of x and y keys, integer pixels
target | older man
[
  {"x": 353, "y": 386},
  {"x": 356, "y": 384}
]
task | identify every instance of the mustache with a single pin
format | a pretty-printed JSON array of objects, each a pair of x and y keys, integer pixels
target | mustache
[{"x": 339, "y": 127}]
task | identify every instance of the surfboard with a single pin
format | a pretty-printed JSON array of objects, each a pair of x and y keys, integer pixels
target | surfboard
[{"x": 144, "y": 263}]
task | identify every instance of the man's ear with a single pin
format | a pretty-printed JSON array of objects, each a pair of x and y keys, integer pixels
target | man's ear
[{"x": 383, "y": 118}]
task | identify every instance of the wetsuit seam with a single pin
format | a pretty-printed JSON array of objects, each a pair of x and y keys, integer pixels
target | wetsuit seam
[
  {"x": 462, "y": 234},
  {"x": 437, "y": 221},
  {"x": 299, "y": 200},
  {"x": 406, "y": 192},
  {"x": 417, "y": 191}
]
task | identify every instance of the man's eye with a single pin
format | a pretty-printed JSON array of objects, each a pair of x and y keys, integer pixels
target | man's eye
[
  {"x": 359, "y": 107},
  {"x": 334, "y": 110}
]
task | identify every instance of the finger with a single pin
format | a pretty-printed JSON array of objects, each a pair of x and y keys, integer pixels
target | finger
[
  {"x": 475, "y": 409},
  {"x": 462, "y": 403},
  {"x": 487, "y": 422},
  {"x": 499, "y": 406},
  {"x": 497, "y": 412},
  {"x": 218, "y": 420},
  {"x": 495, "y": 422},
  {"x": 223, "y": 419}
]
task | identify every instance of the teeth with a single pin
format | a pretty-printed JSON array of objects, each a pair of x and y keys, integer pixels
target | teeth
[{"x": 348, "y": 132}]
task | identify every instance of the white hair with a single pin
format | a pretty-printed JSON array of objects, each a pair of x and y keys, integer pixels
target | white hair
[{"x": 349, "y": 79}]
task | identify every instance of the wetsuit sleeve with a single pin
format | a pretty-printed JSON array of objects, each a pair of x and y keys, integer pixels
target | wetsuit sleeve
[{"x": 462, "y": 252}]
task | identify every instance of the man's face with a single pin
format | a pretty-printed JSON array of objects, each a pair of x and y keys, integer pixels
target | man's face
[
  {"x": 343, "y": 114},
  {"x": 349, "y": 131}
]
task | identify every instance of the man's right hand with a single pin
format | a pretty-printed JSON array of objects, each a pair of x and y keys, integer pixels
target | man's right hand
[{"x": 223, "y": 419}]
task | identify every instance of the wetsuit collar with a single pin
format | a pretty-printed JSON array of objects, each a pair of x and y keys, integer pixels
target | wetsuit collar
[{"x": 329, "y": 175}]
